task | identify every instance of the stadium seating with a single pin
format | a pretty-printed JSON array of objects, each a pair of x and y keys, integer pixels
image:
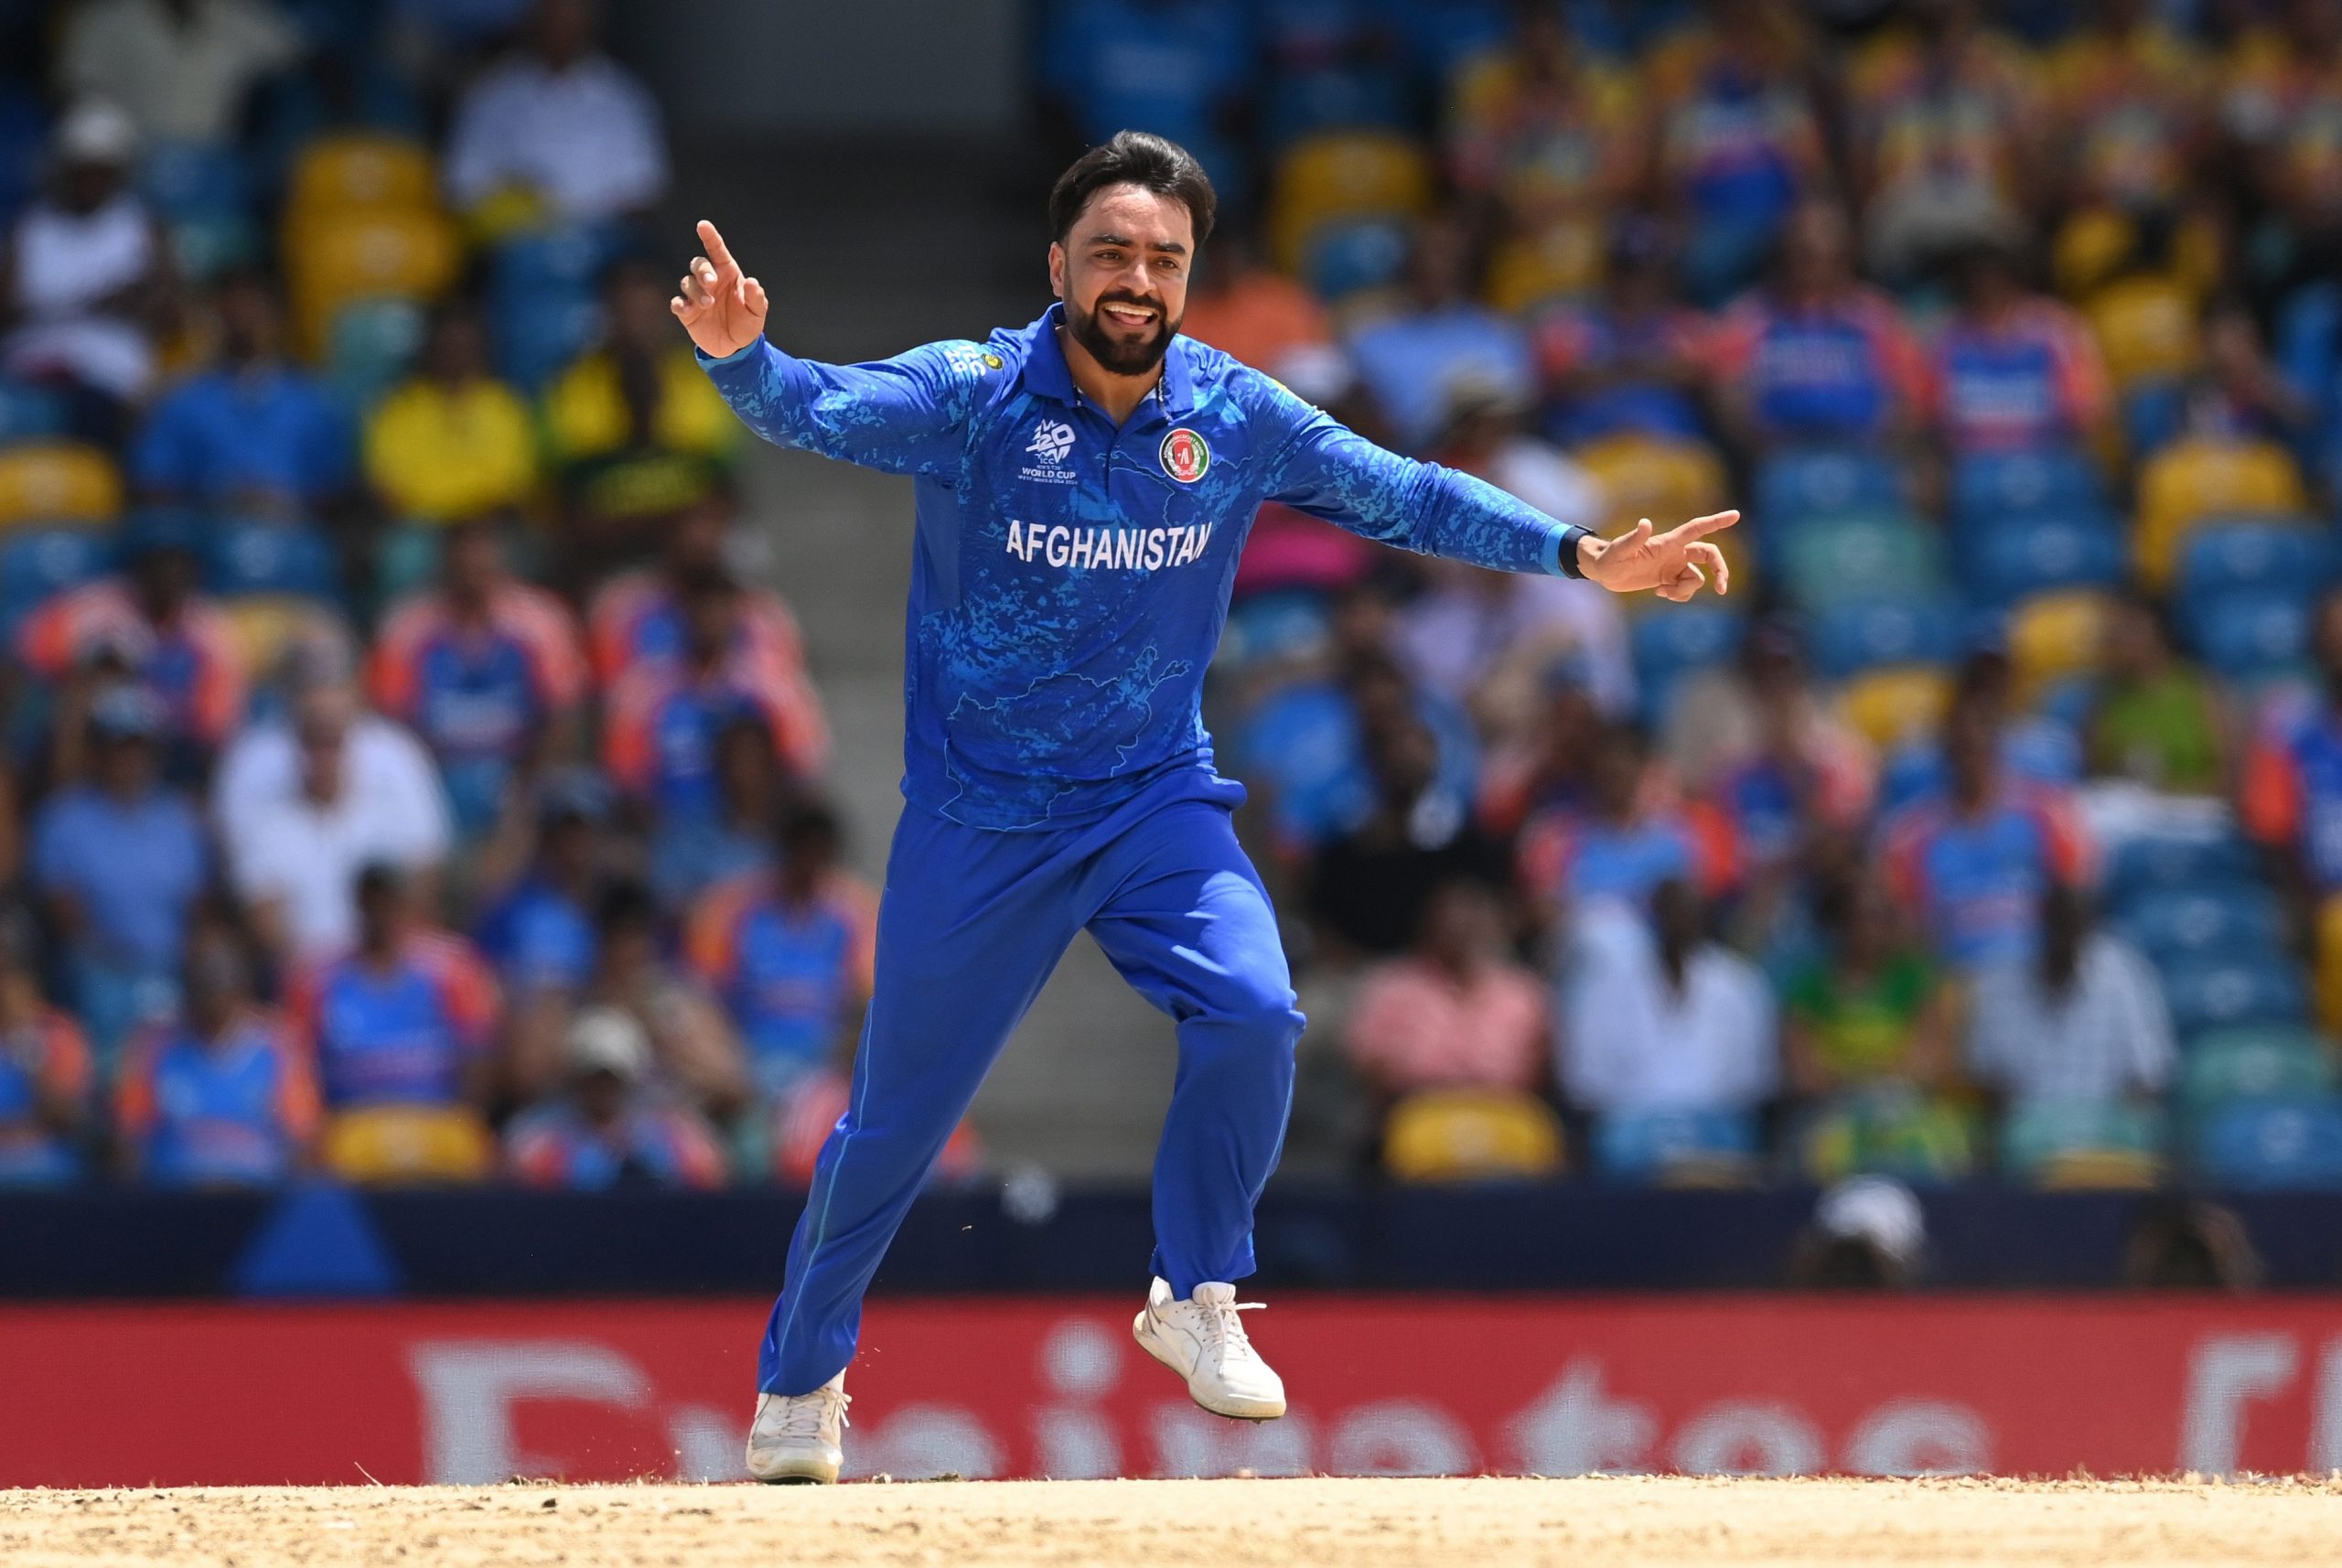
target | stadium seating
[
  {"x": 2231, "y": 920},
  {"x": 370, "y": 345},
  {"x": 1895, "y": 706},
  {"x": 1851, "y": 638},
  {"x": 30, "y": 414},
  {"x": 2056, "y": 634},
  {"x": 2007, "y": 558},
  {"x": 402, "y": 1145},
  {"x": 1795, "y": 485},
  {"x": 1446, "y": 1135},
  {"x": 1676, "y": 1148},
  {"x": 364, "y": 254},
  {"x": 2063, "y": 1143},
  {"x": 2277, "y": 1144},
  {"x": 2224, "y": 990},
  {"x": 1826, "y": 558},
  {"x": 35, "y": 563},
  {"x": 244, "y": 559},
  {"x": 2267, "y": 1063},
  {"x": 2197, "y": 479},
  {"x": 1670, "y": 647},
  {"x": 56, "y": 481},
  {"x": 1988, "y": 487},
  {"x": 1347, "y": 174}
]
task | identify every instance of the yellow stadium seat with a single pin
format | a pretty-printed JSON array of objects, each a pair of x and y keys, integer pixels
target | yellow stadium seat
[
  {"x": 2052, "y": 636},
  {"x": 2199, "y": 477},
  {"x": 264, "y": 624},
  {"x": 1562, "y": 259},
  {"x": 1470, "y": 1134},
  {"x": 361, "y": 171},
  {"x": 1350, "y": 174},
  {"x": 2328, "y": 976},
  {"x": 2147, "y": 328},
  {"x": 2101, "y": 1170},
  {"x": 1889, "y": 708},
  {"x": 398, "y": 1144},
  {"x": 57, "y": 481},
  {"x": 409, "y": 254}
]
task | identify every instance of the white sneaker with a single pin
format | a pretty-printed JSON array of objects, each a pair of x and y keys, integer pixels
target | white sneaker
[
  {"x": 1202, "y": 1339},
  {"x": 796, "y": 1438}
]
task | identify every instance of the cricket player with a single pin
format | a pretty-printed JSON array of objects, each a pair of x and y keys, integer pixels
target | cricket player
[{"x": 1084, "y": 486}]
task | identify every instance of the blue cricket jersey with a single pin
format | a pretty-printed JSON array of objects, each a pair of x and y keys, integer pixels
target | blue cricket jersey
[{"x": 1072, "y": 575}]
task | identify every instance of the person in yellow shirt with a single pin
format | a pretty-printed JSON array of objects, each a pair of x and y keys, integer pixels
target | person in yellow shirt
[
  {"x": 634, "y": 432},
  {"x": 453, "y": 442}
]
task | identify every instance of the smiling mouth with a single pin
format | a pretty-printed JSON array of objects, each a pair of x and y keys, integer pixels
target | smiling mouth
[{"x": 1131, "y": 315}]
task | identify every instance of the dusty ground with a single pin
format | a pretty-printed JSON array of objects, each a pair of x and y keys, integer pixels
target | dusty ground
[{"x": 1592, "y": 1523}]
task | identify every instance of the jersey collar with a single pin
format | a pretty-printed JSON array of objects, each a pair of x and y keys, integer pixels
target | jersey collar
[{"x": 1046, "y": 372}]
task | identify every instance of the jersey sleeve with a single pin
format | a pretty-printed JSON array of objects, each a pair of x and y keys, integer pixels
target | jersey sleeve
[
  {"x": 905, "y": 415},
  {"x": 1324, "y": 469}
]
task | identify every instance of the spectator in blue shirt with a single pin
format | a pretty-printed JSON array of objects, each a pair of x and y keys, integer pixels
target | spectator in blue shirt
[
  {"x": 1413, "y": 362},
  {"x": 252, "y": 433},
  {"x": 691, "y": 853},
  {"x": 118, "y": 862},
  {"x": 540, "y": 934}
]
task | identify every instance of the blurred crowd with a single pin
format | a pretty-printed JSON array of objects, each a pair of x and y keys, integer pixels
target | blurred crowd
[
  {"x": 402, "y": 781},
  {"x": 1982, "y": 832}
]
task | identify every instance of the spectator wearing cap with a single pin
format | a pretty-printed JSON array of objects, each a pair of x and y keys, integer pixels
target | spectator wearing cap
[
  {"x": 1485, "y": 639},
  {"x": 1657, "y": 1016},
  {"x": 404, "y": 1015},
  {"x": 218, "y": 1095},
  {"x": 2014, "y": 370},
  {"x": 608, "y": 1129},
  {"x": 637, "y": 616},
  {"x": 1455, "y": 1011},
  {"x": 45, "y": 1072},
  {"x": 86, "y": 281},
  {"x": 690, "y": 853},
  {"x": 304, "y": 807},
  {"x": 634, "y": 432},
  {"x": 452, "y": 443},
  {"x": 488, "y": 671},
  {"x": 119, "y": 860},
  {"x": 790, "y": 951},
  {"x": 1867, "y": 1233},
  {"x": 1970, "y": 863},
  {"x": 150, "y": 626},
  {"x": 558, "y": 127},
  {"x": 1410, "y": 363},
  {"x": 540, "y": 933},
  {"x": 1815, "y": 356},
  {"x": 1627, "y": 361},
  {"x": 253, "y": 434},
  {"x": 658, "y": 736},
  {"x": 184, "y": 67},
  {"x": 2081, "y": 1020}
]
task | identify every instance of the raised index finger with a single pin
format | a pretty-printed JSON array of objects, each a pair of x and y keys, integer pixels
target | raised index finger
[
  {"x": 717, "y": 251},
  {"x": 1701, "y": 527}
]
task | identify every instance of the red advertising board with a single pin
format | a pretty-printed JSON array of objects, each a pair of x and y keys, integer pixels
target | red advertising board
[{"x": 137, "y": 1395}]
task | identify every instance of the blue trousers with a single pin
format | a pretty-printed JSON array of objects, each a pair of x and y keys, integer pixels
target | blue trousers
[{"x": 972, "y": 924}]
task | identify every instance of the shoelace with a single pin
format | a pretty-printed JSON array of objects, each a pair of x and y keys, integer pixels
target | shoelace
[
  {"x": 1227, "y": 1329},
  {"x": 801, "y": 1416}
]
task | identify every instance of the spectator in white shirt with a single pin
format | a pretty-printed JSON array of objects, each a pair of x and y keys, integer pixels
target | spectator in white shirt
[
  {"x": 561, "y": 120},
  {"x": 2083, "y": 1020},
  {"x": 303, "y": 806},
  {"x": 1656, "y": 1017},
  {"x": 182, "y": 68}
]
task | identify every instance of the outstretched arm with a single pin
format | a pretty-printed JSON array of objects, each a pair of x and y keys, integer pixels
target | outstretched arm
[
  {"x": 1328, "y": 470},
  {"x": 903, "y": 414}
]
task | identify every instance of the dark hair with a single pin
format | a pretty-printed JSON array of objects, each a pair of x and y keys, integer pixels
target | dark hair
[
  {"x": 1134, "y": 157},
  {"x": 807, "y": 824},
  {"x": 621, "y": 906}
]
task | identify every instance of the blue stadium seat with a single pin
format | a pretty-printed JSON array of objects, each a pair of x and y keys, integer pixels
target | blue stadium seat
[
  {"x": 31, "y": 413},
  {"x": 2251, "y": 634},
  {"x": 2152, "y": 416},
  {"x": 370, "y": 345},
  {"x": 2274, "y": 1143},
  {"x": 1990, "y": 486},
  {"x": 38, "y": 561},
  {"x": 272, "y": 558},
  {"x": 2229, "y": 1065},
  {"x": 2055, "y": 1143},
  {"x": 24, "y": 133},
  {"x": 1823, "y": 560},
  {"x": 1822, "y": 482},
  {"x": 1335, "y": 98},
  {"x": 1347, "y": 258},
  {"x": 2237, "y": 920},
  {"x": 568, "y": 259},
  {"x": 1851, "y": 638},
  {"x": 2218, "y": 991},
  {"x": 2273, "y": 553},
  {"x": 195, "y": 179},
  {"x": 534, "y": 339},
  {"x": 1656, "y": 1145},
  {"x": 1679, "y": 642},
  {"x": 2005, "y": 559},
  {"x": 2151, "y": 863}
]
